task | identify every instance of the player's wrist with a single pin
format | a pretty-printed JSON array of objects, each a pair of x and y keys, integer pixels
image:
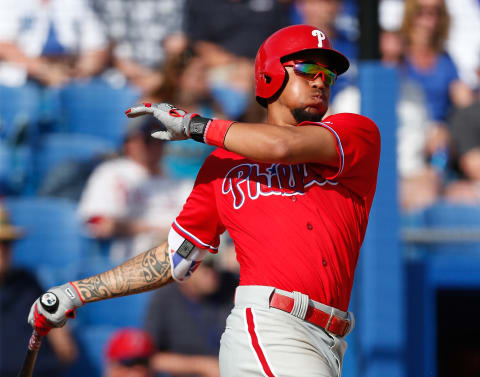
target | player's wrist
[{"x": 208, "y": 131}]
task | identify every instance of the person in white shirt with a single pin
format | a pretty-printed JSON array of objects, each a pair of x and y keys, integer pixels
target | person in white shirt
[
  {"x": 129, "y": 199},
  {"x": 50, "y": 41}
]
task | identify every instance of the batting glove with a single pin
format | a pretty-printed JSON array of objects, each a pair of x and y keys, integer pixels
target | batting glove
[
  {"x": 181, "y": 125},
  {"x": 54, "y": 307},
  {"x": 175, "y": 120}
]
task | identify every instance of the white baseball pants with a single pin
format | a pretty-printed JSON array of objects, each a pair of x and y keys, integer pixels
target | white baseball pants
[{"x": 264, "y": 341}]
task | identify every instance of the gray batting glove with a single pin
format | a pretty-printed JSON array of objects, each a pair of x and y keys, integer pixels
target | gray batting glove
[
  {"x": 176, "y": 121},
  {"x": 54, "y": 307}
]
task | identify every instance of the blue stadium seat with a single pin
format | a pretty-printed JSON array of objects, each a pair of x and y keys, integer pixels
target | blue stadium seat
[
  {"x": 451, "y": 217},
  {"x": 97, "y": 108},
  {"x": 55, "y": 148},
  {"x": 54, "y": 241},
  {"x": 444, "y": 214},
  {"x": 19, "y": 107}
]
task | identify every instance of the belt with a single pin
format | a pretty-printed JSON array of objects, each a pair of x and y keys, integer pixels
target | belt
[{"x": 328, "y": 321}]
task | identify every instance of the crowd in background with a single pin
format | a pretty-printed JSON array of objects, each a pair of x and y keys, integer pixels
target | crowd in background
[{"x": 199, "y": 55}]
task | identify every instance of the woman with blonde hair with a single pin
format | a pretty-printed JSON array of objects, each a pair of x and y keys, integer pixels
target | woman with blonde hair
[{"x": 425, "y": 28}]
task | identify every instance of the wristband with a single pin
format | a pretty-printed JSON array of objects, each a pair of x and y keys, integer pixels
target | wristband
[
  {"x": 216, "y": 131},
  {"x": 209, "y": 131}
]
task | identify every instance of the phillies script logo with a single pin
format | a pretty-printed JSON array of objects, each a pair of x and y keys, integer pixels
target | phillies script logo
[{"x": 254, "y": 180}]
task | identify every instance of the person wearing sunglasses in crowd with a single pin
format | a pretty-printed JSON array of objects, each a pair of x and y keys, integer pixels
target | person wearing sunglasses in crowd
[{"x": 294, "y": 194}]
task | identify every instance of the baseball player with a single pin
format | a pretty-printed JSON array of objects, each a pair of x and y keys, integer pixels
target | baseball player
[{"x": 293, "y": 193}]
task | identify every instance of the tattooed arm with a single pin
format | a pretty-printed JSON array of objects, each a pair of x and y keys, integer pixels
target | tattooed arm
[{"x": 144, "y": 272}]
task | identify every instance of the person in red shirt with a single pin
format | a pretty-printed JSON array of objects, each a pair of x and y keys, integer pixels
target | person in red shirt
[{"x": 294, "y": 194}]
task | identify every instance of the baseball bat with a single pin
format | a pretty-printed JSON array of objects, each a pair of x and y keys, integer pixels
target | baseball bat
[{"x": 49, "y": 302}]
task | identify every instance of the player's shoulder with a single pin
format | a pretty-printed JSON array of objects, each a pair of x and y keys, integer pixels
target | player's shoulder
[
  {"x": 352, "y": 121},
  {"x": 351, "y": 118}
]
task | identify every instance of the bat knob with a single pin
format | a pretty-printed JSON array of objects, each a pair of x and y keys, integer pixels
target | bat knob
[{"x": 49, "y": 302}]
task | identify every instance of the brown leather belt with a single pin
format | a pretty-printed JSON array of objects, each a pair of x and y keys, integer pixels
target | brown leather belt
[{"x": 331, "y": 323}]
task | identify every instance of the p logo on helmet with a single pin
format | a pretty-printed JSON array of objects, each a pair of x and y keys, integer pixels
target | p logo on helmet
[
  {"x": 321, "y": 37},
  {"x": 269, "y": 72}
]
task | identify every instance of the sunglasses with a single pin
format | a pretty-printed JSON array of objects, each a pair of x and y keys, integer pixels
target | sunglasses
[{"x": 311, "y": 71}]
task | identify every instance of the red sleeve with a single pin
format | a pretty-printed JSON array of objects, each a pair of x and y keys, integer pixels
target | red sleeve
[
  {"x": 199, "y": 221},
  {"x": 358, "y": 147}
]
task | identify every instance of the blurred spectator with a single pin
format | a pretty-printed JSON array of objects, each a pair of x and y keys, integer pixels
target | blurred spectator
[
  {"x": 128, "y": 354},
  {"x": 129, "y": 199},
  {"x": 229, "y": 44},
  {"x": 143, "y": 33},
  {"x": 186, "y": 322},
  {"x": 419, "y": 184},
  {"x": 324, "y": 14},
  {"x": 49, "y": 41},
  {"x": 465, "y": 126},
  {"x": 462, "y": 44},
  {"x": 186, "y": 86},
  {"x": 425, "y": 28},
  {"x": 18, "y": 287}
]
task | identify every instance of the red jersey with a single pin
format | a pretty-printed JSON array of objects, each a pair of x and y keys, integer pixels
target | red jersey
[{"x": 296, "y": 227}]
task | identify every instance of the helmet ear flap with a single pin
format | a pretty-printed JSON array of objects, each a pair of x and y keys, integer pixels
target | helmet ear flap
[{"x": 270, "y": 78}]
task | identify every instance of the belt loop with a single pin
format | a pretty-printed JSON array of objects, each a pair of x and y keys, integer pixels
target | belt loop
[
  {"x": 329, "y": 319},
  {"x": 300, "y": 305}
]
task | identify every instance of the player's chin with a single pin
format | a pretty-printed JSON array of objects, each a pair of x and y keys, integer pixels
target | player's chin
[{"x": 309, "y": 114}]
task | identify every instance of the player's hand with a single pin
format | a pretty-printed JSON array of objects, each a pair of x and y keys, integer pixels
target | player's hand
[
  {"x": 53, "y": 308},
  {"x": 176, "y": 121}
]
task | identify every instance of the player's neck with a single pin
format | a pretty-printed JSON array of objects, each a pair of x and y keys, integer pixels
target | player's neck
[{"x": 280, "y": 115}]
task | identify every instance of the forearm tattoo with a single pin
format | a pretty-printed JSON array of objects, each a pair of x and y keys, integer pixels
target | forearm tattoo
[{"x": 142, "y": 273}]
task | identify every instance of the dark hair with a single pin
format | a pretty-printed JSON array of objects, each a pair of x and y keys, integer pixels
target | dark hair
[{"x": 173, "y": 68}]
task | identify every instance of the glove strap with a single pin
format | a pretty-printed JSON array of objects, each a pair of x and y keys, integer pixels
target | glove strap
[
  {"x": 197, "y": 126},
  {"x": 209, "y": 131}
]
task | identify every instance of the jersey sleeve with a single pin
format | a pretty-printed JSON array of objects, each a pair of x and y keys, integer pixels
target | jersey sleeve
[
  {"x": 199, "y": 221},
  {"x": 358, "y": 148}
]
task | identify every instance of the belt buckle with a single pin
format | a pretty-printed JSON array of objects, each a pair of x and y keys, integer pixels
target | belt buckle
[{"x": 344, "y": 330}]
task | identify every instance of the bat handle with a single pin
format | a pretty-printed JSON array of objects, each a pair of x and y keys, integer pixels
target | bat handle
[
  {"x": 35, "y": 341},
  {"x": 31, "y": 356}
]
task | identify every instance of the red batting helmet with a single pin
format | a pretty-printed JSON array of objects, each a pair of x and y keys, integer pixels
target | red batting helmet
[{"x": 269, "y": 71}]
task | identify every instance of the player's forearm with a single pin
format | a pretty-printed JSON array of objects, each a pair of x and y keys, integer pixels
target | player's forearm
[
  {"x": 285, "y": 144},
  {"x": 147, "y": 271}
]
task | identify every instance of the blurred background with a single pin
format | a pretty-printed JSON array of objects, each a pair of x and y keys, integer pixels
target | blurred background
[{"x": 82, "y": 188}]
